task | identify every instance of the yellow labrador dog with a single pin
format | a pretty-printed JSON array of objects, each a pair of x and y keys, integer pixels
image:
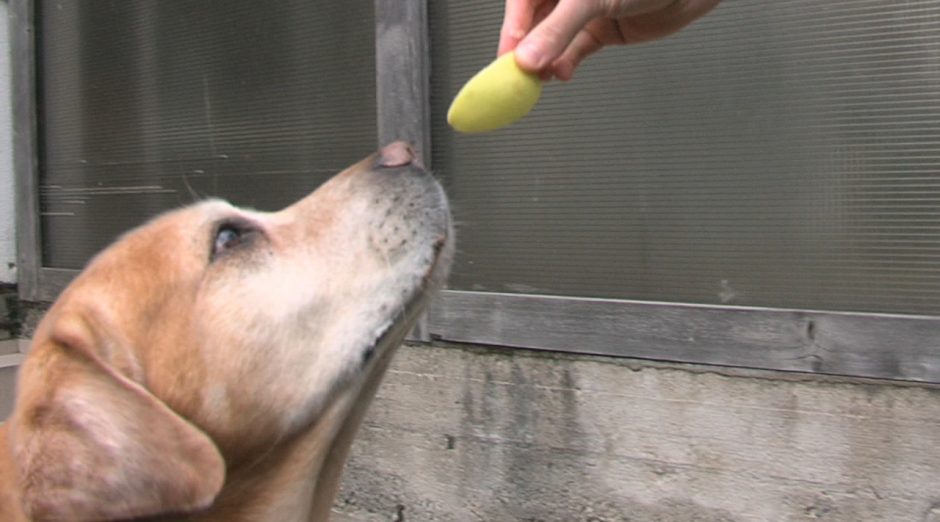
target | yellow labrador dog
[{"x": 214, "y": 364}]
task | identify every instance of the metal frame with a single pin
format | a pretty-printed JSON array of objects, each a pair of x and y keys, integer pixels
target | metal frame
[{"x": 857, "y": 344}]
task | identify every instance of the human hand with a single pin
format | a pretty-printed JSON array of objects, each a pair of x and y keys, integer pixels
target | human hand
[{"x": 552, "y": 37}]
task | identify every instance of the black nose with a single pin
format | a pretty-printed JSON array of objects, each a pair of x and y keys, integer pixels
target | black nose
[{"x": 398, "y": 154}]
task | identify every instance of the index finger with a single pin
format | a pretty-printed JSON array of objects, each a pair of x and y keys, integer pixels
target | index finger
[
  {"x": 551, "y": 36},
  {"x": 518, "y": 20}
]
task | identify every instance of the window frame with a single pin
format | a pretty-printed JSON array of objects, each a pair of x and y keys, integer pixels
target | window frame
[{"x": 884, "y": 346}]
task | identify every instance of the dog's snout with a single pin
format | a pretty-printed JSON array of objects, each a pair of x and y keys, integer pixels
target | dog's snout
[{"x": 398, "y": 154}]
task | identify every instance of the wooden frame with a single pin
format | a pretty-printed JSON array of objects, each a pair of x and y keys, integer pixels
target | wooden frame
[
  {"x": 25, "y": 167},
  {"x": 857, "y": 344},
  {"x": 402, "y": 73},
  {"x": 34, "y": 281},
  {"x": 402, "y": 91}
]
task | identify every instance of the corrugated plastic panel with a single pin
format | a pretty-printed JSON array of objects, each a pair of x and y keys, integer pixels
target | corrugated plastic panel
[
  {"x": 147, "y": 105},
  {"x": 781, "y": 154}
]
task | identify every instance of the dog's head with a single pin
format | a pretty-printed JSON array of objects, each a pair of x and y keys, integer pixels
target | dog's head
[{"x": 211, "y": 333}]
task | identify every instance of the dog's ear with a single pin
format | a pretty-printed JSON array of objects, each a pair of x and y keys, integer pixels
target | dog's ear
[{"x": 91, "y": 444}]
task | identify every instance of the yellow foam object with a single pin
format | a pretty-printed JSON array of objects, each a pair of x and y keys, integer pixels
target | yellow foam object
[{"x": 500, "y": 94}]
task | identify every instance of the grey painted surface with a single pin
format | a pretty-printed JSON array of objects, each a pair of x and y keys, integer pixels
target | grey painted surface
[
  {"x": 7, "y": 387},
  {"x": 473, "y": 434},
  {"x": 7, "y": 228},
  {"x": 10, "y": 360},
  {"x": 11, "y": 347}
]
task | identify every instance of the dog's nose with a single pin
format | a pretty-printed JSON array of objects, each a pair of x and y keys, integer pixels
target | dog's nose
[{"x": 398, "y": 154}]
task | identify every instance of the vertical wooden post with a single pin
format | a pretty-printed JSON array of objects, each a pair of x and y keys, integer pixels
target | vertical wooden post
[
  {"x": 402, "y": 76},
  {"x": 25, "y": 154},
  {"x": 402, "y": 73}
]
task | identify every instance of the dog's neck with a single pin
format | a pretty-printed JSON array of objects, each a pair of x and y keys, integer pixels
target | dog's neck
[
  {"x": 297, "y": 480},
  {"x": 282, "y": 484},
  {"x": 10, "y": 510}
]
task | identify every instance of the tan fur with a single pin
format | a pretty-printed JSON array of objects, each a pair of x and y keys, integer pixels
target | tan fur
[{"x": 175, "y": 382}]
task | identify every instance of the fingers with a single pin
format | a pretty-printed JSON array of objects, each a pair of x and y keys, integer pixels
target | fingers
[
  {"x": 549, "y": 39},
  {"x": 517, "y": 22},
  {"x": 635, "y": 7},
  {"x": 520, "y": 17},
  {"x": 584, "y": 44},
  {"x": 552, "y": 37}
]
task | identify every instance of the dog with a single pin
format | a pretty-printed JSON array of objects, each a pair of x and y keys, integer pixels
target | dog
[{"x": 215, "y": 363}]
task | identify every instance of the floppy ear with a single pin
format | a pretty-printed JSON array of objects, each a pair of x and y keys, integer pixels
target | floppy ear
[{"x": 90, "y": 444}]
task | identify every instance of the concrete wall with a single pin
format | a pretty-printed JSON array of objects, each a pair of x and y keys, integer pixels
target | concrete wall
[
  {"x": 460, "y": 434},
  {"x": 7, "y": 222}
]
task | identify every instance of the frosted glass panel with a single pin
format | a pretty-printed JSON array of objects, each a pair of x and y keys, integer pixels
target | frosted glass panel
[
  {"x": 147, "y": 105},
  {"x": 781, "y": 154}
]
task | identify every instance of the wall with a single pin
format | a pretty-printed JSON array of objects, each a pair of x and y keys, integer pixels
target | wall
[
  {"x": 7, "y": 222},
  {"x": 467, "y": 434}
]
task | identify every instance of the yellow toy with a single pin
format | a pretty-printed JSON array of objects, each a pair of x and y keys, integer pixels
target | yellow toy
[{"x": 500, "y": 94}]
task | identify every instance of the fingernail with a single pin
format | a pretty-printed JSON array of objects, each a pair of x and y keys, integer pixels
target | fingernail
[{"x": 529, "y": 55}]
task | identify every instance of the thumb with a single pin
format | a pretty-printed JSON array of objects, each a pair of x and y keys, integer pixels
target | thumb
[{"x": 549, "y": 39}]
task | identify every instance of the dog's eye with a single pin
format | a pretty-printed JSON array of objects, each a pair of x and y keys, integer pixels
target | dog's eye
[{"x": 229, "y": 236}]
